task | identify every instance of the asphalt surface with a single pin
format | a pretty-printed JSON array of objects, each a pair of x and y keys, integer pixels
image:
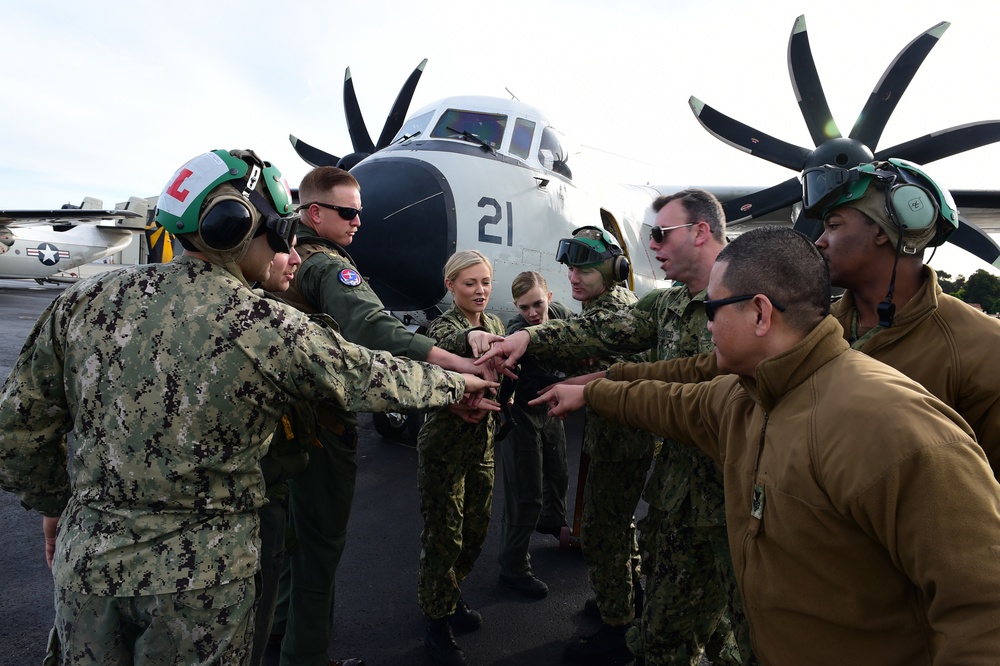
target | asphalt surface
[{"x": 376, "y": 615}]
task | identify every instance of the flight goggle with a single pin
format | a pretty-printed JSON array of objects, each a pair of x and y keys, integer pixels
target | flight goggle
[
  {"x": 823, "y": 186},
  {"x": 224, "y": 226},
  {"x": 345, "y": 212},
  {"x": 581, "y": 252}
]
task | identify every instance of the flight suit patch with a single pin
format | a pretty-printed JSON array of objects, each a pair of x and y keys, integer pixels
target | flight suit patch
[{"x": 350, "y": 277}]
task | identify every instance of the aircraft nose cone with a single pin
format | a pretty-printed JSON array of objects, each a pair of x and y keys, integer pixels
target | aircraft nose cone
[{"x": 407, "y": 231}]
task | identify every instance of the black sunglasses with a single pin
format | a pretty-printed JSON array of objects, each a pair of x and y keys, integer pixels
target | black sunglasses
[
  {"x": 344, "y": 211},
  {"x": 659, "y": 234},
  {"x": 712, "y": 306}
]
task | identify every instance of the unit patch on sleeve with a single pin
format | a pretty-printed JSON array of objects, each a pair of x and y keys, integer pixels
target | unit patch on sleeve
[{"x": 350, "y": 277}]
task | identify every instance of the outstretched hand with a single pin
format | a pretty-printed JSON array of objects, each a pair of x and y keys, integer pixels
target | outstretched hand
[
  {"x": 49, "y": 528},
  {"x": 506, "y": 352},
  {"x": 480, "y": 341},
  {"x": 475, "y": 414},
  {"x": 561, "y": 399},
  {"x": 476, "y": 387}
]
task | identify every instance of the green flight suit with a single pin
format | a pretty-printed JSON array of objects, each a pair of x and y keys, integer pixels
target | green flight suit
[
  {"x": 534, "y": 469},
  {"x": 320, "y": 497}
]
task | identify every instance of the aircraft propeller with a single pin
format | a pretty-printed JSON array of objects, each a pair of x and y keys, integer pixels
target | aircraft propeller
[
  {"x": 360, "y": 138},
  {"x": 858, "y": 147}
]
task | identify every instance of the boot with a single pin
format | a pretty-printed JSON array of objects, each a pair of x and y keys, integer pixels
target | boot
[
  {"x": 440, "y": 644},
  {"x": 604, "y": 647},
  {"x": 464, "y": 618}
]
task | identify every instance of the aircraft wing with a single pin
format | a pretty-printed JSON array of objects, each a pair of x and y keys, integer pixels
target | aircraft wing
[{"x": 29, "y": 218}]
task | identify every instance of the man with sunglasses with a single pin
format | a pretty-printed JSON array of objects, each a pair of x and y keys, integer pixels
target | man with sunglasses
[
  {"x": 689, "y": 582},
  {"x": 172, "y": 378},
  {"x": 320, "y": 498},
  {"x": 863, "y": 518}
]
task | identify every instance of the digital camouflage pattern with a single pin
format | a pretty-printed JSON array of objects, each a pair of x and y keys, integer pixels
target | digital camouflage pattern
[
  {"x": 455, "y": 478},
  {"x": 443, "y": 435},
  {"x": 172, "y": 378},
  {"x": 194, "y": 627},
  {"x": 620, "y": 458},
  {"x": 687, "y": 587}
]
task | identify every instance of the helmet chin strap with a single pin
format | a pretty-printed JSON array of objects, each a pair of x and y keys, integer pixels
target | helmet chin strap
[{"x": 887, "y": 309}]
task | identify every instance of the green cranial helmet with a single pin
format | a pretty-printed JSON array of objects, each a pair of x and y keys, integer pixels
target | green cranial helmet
[
  {"x": 181, "y": 204},
  {"x": 908, "y": 201},
  {"x": 592, "y": 247}
]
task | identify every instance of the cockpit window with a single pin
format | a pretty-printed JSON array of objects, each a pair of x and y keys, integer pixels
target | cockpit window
[
  {"x": 487, "y": 127},
  {"x": 552, "y": 153},
  {"x": 520, "y": 141},
  {"x": 414, "y": 126}
]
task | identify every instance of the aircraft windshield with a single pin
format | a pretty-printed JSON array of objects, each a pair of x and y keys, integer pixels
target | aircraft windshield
[
  {"x": 414, "y": 126},
  {"x": 487, "y": 127},
  {"x": 520, "y": 141},
  {"x": 552, "y": 153}
]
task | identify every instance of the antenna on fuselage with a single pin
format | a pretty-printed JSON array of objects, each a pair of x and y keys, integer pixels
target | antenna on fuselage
[{"x": 512, "y": 95}]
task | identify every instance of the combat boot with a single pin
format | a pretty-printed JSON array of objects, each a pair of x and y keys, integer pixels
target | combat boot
[
  {"x": 605, "y": 646},
  {"x": 440, "y": 644},
  {"x": 465, "y": 619}
]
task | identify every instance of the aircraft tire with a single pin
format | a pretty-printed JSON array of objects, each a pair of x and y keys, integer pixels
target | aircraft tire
[{"x": 398, "y": 427}]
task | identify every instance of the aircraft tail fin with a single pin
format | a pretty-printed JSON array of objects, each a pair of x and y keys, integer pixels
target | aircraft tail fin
[{"x": 159, "y": 242}]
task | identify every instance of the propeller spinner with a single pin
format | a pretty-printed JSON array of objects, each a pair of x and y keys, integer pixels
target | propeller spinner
[{"x": 858, "y": 147}]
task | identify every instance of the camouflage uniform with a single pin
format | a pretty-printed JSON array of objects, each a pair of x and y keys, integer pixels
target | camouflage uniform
[
  {"x": 320, "y": 497},
  {"x": 619, "y": 460},
  {"x": 172, "y": 378},
  {"x": 684, "y": 546},
  {"x": 455, "y": 478},
  {"x": 534, "y": 469}
]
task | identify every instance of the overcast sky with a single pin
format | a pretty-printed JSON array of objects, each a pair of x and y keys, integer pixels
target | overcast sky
[{"x": 106, "y": 99}]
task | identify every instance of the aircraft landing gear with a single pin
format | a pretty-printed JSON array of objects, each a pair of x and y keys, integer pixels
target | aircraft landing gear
[{"x": 398, "y": 427}]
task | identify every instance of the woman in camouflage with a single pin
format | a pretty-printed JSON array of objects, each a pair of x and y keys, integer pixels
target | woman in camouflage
[{"x": 455, "y": 473}]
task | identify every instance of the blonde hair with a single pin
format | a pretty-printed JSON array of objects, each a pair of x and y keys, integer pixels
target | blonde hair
[
  {"x": 459, "y": 261},
  {"x": 525, "y": 282}
]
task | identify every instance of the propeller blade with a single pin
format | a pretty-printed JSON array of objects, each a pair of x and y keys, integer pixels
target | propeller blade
[
  {"x": 762, "y": 202},
  {"x": 945, "y": 143},
  {"x": 312, "y": 156},
  {"x": 745, "y": 138},
  {"x": 886, "y": 95},
  {"x": 360, "y": 138},
  {"x": 808, "y": 89},
  {"x": 972, "y": 239},
  {"x": 399, "y": 108}
]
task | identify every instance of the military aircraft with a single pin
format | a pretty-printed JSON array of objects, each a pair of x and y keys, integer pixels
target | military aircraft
[
  {"x": 494, "y": 174},
  {"x": 38, "y": 244}
]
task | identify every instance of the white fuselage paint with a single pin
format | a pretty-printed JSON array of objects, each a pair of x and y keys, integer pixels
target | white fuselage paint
[{"x": 40, "y": 251}]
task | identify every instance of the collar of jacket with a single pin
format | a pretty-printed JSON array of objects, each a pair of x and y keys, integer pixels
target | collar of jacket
[
  {"x": 923, "y": 304},
  {"x": 781, "y": 373}
]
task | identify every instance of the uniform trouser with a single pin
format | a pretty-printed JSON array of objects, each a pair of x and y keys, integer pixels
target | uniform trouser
[
  {"x": 455, "y": 500},
  {"x": 687, "y": 578},
  {"x": 208, "y": 626},
  {"x": 535, "y": 479},
  {"x": 319, "y": 505},
  {"x": 607, "y": 535},
  {"x": 272, "y": 559}
]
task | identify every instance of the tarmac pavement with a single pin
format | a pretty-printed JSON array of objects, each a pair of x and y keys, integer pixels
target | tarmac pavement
[{"x": 376, "y": 615}]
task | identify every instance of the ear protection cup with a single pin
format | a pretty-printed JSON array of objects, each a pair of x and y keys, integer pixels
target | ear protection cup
[
  {"x": 226, "y": 224},
  {"x": 620, "y": 268},
  {"x": 912, "y": 206}
]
